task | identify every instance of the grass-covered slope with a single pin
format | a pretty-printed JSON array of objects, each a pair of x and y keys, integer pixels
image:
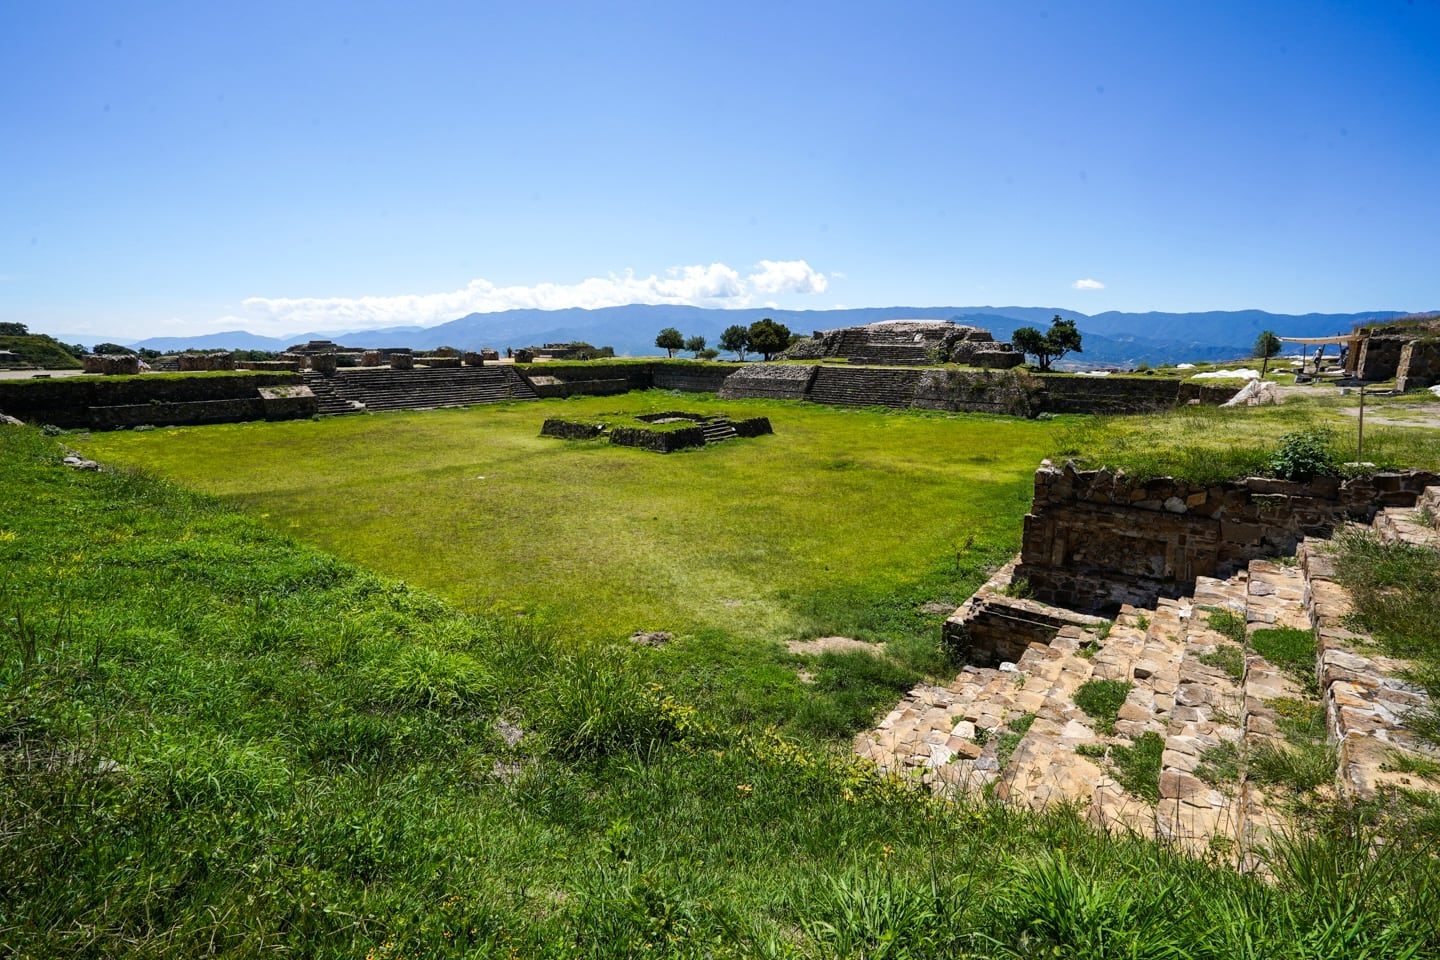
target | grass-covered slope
[
  {"x": 215, "y": 741},
  {"x": 38, "y": 350}
]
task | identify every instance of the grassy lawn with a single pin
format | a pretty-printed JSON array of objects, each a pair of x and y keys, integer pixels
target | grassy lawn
[
  {"x": 216, "y": 740},
  {"x": 1214, "y": 443},
  {"x": 843, "y": 522}
]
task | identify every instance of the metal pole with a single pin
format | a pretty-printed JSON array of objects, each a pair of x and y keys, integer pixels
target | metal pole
[{"x": 1360, "y": 436}]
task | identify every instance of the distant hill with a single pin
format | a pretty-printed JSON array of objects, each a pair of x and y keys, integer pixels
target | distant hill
[{"x": 1111, "y": 338}]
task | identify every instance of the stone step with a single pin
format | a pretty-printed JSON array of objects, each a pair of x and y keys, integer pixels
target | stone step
[
  {"x": 1412, "y": 525},
  {"x": 1215, "y": 700},
  {"x": 1209, "y": 705},
  {"x": 1365, "y": 694}
]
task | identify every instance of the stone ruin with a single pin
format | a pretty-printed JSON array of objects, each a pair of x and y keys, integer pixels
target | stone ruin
[
  {"x": 111, "y": 364},
  {"x": 910, "y": 343},
  {"x": 1185, "y": 662},
  {"x": 1407, "y": 349},
  {"x": 699, "y": 429}
]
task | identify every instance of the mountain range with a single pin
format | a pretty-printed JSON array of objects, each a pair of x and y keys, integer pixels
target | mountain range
[{"x": 1110, "y": 339}]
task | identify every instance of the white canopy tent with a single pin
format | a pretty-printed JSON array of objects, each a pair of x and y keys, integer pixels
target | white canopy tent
[{"x": 1351, "y": 340}]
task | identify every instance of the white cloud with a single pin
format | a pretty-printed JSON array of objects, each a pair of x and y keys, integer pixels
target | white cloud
[
  {"x": 787, "y": 276},
  {"x": 716, "y": 285},
  {"x": 1088, "y": 284}
]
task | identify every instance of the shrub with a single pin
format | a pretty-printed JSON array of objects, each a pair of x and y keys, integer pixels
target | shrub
[{"x": 1303, "y": 456}]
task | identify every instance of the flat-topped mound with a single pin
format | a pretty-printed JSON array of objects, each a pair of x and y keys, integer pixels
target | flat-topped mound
[{"x": 911, "y": 343}]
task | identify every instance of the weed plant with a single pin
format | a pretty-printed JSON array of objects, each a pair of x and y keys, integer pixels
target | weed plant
[
  {"x": 1101, "y": 700},
  {"x": 1290, "y": 649},
  {"x": 1227, "y": 657},
  {"x": 1396, "y": 589}
]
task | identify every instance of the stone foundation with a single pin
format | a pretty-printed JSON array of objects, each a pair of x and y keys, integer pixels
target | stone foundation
[
  {"x": 111, "y": 364},
  {"x": 765, "y": 381},
  {"x": 1095, "y": 540},
  {"x": 1419, "y": 365}
]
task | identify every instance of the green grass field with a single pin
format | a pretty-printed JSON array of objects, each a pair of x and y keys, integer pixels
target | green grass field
[
  {"x": 216, "y": 740},
  {"x": 844, "y": 521}
]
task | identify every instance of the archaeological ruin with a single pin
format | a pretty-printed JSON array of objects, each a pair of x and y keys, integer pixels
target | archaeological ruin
[
  {"x": 663, "y": 432},
  {"x": 910, "y": 343}
]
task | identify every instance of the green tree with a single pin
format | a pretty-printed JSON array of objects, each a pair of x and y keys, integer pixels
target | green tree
[
  {"x": 736, "y": 339},
  {"x": 768, "y": 337},
  {"x": 1267, "y": 345},
  {"x": 709, "y": 353},
  {"x": 111, "y": 348},
  {"x": 670, "y": 340},
  {"x": 9, "y": 329},
  {"x": 695, "y": 345},
  {"x": 1046, "y": 348}
]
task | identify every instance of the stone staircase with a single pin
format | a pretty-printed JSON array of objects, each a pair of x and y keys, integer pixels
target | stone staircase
[
  {"x": 717, "y": 429},
  {"x": 1199, "y": 694},
  {"x": 861, "y": 386},
  {"x": 329, "y": 403},
  {"x": 382, "y": 389},
  {"x": 866, "y": 345}
]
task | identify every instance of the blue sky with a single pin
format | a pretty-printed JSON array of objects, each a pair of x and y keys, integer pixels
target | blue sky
[{"x": 193, "y": 167}]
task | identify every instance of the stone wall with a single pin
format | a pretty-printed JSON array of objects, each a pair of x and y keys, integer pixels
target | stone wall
[
  {"x": 293, "y": 366},
  {"x": 991, "y": 627},
  {"x": 546, "y": 387},
  {"x": 1065, "y": 393},
  {"x": 1419, "y": 365},
  {"x": 204, "y": 362},
  {"x": 752, "y": 427},
  {"x": 67, "y": 401},
  {"x": 1014, "y": 393},
  {"x": 178, "y": 414},
  {"x": 570, "y": 429},
  {"x": 659, "y": 441},
  {"x": 1095, "y": 539},
  {"x": 111, "y": 364},
  {"x": 691, "y": 379},
  {"x": 1379, "y": 357},
  {"x": 769, "y": 381}
]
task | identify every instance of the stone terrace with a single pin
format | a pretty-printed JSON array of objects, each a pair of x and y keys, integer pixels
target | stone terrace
[
  {"x": 1015, "y": 732},
  {"x": 361, "y": 389}
]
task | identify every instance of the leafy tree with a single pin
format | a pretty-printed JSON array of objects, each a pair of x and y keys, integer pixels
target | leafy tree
[
  {"x": 1267, "y": 345},
  {"x": 111, "y": 348},
  {"x": 670, "y": 340},
  {"x": 695, "y": 345},
  {"x": 736, "y": 339},
  {"x": 709, "y": 353},
  {"x": 1062, "y": 338},
  {"x": 768, "y": 337},
  {"x": 8, "y": 329}
]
